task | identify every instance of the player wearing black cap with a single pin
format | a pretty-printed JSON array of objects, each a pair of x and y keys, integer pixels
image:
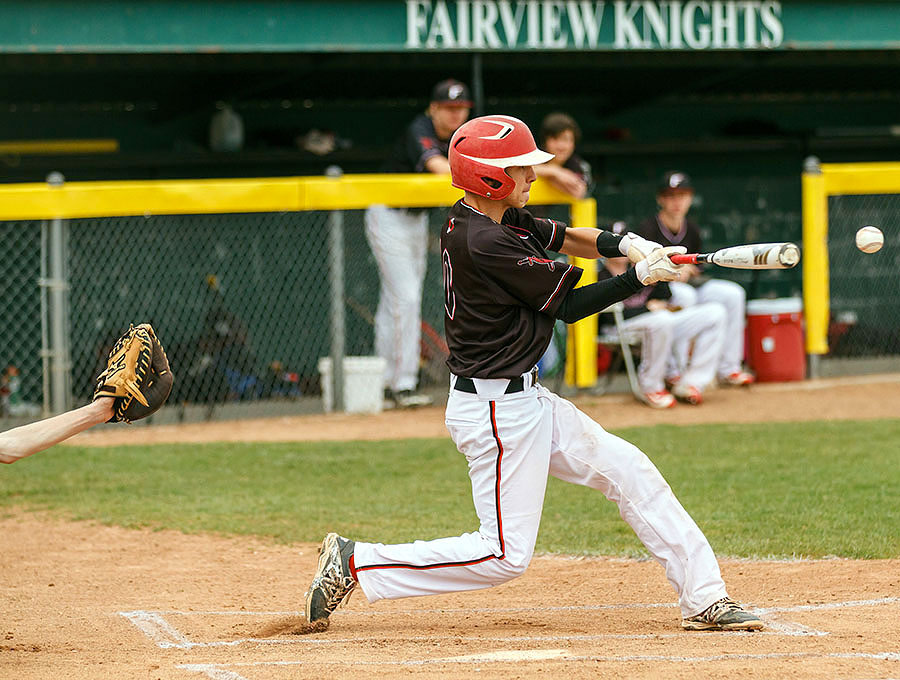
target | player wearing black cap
[
  {"x": 671, "y": 226},
  {"x": 502, "y": 294},
  {"x": 398, "y": 238}
]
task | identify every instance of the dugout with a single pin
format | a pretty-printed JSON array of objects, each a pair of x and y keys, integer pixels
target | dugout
[{"x": 738, "y": 94}]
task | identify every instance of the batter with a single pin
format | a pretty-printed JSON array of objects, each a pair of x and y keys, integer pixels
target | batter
[{"x": 502, "y": 295}]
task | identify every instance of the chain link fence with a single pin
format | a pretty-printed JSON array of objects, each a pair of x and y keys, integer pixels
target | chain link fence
[
  {"x": 865, "y": 316},
  {"x": 21, "y": 370},
  {"x": 242, "y": 302}
]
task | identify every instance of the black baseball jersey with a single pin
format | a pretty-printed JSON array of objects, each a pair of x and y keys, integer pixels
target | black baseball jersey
[
  {"x": 688, "y": 236},
  {"x": 418, "y": 143},
  {"x": 501, "y": 291}
]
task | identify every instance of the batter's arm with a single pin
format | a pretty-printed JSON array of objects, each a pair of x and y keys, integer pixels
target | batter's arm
[
  {"x": 587, "y": 242},
  {"x": 592, "y": 243},
  {"x": 595, "y": 297},
  {"x": 21, "y": 442}
]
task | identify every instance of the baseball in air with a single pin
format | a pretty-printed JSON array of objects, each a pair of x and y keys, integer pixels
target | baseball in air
[{"x": 869, "y": 239}]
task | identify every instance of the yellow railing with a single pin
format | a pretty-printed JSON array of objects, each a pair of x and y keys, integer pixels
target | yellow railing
[
  {"x": 286, "y": 194},
  {"x": 818, "y": 183}
]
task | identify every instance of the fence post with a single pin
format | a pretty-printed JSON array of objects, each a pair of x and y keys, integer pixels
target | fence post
[
  {"x": 336, "y": 281},
  {"x": 581, "y": 355},
  {"x": 55, "y": 311},
  {"x": 815, "y": 263}
]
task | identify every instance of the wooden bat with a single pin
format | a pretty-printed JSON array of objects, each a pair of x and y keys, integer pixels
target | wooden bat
[{"x": 750, "y": 256}]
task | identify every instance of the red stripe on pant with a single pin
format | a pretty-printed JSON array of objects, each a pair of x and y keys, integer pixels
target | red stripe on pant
[{"x": 467, "y": 563}]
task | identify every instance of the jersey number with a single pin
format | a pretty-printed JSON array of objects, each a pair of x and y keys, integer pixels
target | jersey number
[{"x": 449, "y": 295}]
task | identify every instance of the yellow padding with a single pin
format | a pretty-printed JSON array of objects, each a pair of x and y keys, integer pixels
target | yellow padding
[
  {"x": 269, "y": 194},
  {"x": 861, "y": 178}
]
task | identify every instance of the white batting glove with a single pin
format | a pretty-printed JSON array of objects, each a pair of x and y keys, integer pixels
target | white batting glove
[
  {"x": 658, "y": 267},
  {"x": 636, "y": 248}
]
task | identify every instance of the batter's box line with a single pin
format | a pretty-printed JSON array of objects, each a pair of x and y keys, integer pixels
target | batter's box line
[
  {"x": 216, "y": 671},
  {"x": 165, "y": 635}
]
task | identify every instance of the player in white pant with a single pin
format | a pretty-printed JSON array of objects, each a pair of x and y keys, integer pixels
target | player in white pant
[
  {"x": 732, "y": 299},
  {"x": 502, "y": 297},
  {"x": 665, "y": 334},
  {"x": 674, "y": 341},
  {"x": 671, "y": 226},
  {"x": 511, "y": 443},
  {"x": 398, "y": 237}
]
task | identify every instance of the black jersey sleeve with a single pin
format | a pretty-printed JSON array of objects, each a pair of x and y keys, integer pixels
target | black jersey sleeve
[
  {"x": 506, "y": 259},
  {"x": 550, "y": 234},
  {"x": 422, "y": 143},
  {"x": 595, "y": 297}
]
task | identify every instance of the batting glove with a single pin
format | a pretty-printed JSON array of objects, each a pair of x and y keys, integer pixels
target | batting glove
[
  {"x": 637, "y": 248},
  {"x": 658, "y": 267}
]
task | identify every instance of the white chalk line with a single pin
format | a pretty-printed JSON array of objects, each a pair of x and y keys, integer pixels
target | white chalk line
[
  {"x": 166, "y": 636},
  {"x": 221, "y": 672},
  {"x": 519, "y": 610},
  {"x": 156, "y": 628}
]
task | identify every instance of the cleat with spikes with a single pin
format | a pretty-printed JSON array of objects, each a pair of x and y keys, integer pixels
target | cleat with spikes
[
  {"x": 333, "y": 583},
  {"x": 724, "y": 614}
]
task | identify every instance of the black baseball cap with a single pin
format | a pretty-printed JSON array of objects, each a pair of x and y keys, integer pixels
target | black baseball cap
[
  {"x": 451, "y": 92},
  {"x": 674, "y": 181}
]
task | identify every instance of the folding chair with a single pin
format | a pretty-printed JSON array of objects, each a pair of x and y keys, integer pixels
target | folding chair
[{"x": 620, "y": 341}]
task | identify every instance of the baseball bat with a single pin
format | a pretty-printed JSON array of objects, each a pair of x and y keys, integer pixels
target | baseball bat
[{"x": 750, "y": 256}]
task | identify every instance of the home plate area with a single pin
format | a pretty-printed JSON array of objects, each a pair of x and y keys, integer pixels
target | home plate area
[{"x": 826, "y": 639}]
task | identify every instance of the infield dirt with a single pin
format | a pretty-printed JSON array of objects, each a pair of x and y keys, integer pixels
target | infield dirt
[{"x": 88, "y": 601}]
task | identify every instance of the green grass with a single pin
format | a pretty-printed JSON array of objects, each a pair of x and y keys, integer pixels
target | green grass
[{"x": 779, "y": 490}]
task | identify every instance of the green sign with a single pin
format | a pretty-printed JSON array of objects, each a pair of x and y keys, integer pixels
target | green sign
[{"x": 442, "y": 25}]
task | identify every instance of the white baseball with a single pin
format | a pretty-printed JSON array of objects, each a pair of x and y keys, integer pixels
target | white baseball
[{"x": 869, "y": 239}]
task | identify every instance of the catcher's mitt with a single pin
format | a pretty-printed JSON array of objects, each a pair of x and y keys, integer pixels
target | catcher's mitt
[{"x": 137, "y": 375}]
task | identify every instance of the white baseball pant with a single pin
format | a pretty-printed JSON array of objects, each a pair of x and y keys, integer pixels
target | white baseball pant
[
  {"x": 512, "y": 442},
  {"x": 667, "y": 337},
  {"x": 399, "y": 240},
  {"x": 733, "y": 299}
]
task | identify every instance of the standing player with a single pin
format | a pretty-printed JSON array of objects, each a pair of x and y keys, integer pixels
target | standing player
[
  {"x": 399, "y": 238},
  {"x": 502, "y": 294},
  {"x": 671, "y": 226}
]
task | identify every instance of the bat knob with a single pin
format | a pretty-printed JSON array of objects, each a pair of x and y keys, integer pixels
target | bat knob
[{"x": 789, "y": 255}]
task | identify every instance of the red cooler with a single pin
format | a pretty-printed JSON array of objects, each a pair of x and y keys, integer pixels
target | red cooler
[{"x": 775, "y": 346}]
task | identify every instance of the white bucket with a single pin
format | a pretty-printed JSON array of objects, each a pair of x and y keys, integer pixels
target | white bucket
[{"x": 363, "y": 384}]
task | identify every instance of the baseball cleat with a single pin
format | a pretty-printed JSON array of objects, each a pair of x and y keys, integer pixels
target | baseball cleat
[
  {"x": 389, "y": 400},
  {"x": 410, "y": 399},
  {"x": 661, "y": 399},
  {"x": 688, "y": 394},
  {"x": 333, "y": 582},
  {"x": 724, "y": 614},
  {"x": 738, "y": 379},
  {"x": 671, "y": 381}
]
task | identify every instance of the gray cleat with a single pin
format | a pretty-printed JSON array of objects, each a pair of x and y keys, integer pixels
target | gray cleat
[
  {"x": 333, "y": 582},
  {"x": 724, "y": 614}
]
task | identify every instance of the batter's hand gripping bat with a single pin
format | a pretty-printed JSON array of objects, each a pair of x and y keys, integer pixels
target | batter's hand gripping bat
[{"x": 751, "y": 256}]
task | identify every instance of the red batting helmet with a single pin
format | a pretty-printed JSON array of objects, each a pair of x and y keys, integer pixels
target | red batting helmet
[{"x": 482, "y": 148}]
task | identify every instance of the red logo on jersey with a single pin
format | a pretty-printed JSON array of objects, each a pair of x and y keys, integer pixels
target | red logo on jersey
[
  {"x": 450, "y": 225},
  {"x": 426, "y": 142},
  {"x": 531, "y": 261}
]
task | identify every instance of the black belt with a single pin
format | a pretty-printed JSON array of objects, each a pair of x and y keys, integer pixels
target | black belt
[{"x": 515, "y": 384}]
